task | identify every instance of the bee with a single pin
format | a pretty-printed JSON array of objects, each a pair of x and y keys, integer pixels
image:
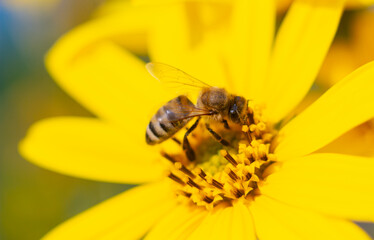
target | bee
[{"x": 213, "y": 102}]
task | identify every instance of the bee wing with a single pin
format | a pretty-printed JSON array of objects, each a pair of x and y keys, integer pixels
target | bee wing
[
  {"x": 182, "y": 108},
  {"x": 186, "y": 112},
  {"x": 172, "y": 77}
]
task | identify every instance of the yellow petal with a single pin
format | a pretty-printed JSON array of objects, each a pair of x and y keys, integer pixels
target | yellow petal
[
  {"x": 334, "y": 184},
  {"x": 171, "y": 26},
  {"x": 267, "y": 225},
  {"x": 252, "y": 35},
  {"x": 362, "y": 37},
  {"x": 185, "y": 36},
  {"x": 300, "y": 47},
  {"x": 358, "y": 141},
  {"x": 101, "y": 75},
  {"x": 112, "y": 83},
  {"x": 178, "y": 224},
  {"x": 345, "y": 56},
  {"x": 92, "y": 149},
  {"x": 242, "y": 223},
  {"x": 214, "y": 221},
  {"x": 126, "y": 216},
  {"x": 310, "y": 98},
  {"x": 338, "y": 63},
  {"x": 275, "y": 220},
  {"x": 226, "y": 223},
  {"x": 127, "y": 27},
  {"x": 344, "y": 106}
]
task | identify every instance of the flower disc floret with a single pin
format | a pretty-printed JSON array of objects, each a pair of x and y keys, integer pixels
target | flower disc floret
[{"x": 227, "y": 174}]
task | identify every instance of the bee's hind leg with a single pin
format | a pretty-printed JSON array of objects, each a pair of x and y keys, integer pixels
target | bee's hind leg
[
  {"x": 217, "y": 136},
  {"x": 186, "y": 144}
]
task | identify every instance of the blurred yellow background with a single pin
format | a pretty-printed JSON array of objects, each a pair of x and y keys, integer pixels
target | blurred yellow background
[{"x": 34, "y": 200}]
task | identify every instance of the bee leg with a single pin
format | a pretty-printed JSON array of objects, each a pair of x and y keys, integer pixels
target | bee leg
[
  {"x": 225, "y": 124},
  {"x": 217, "y": 136},
  {"x": 186, "y": 144}
]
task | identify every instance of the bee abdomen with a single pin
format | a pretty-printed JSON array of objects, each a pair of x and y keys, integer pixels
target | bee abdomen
[
  {"x": 156, "y": 132},
  {"x": 161, "y": 127}
]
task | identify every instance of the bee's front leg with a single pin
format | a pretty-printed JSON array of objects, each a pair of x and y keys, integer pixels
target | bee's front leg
[
  {"x": 217, "y": 136},
  {"x": 186, "y": 144}
]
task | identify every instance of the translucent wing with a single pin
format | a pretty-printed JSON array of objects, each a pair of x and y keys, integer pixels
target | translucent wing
[
  {"x": 174, "y": 78},
  {"x": 181, "y": 108},
  {"x": 185, "y": 112}
]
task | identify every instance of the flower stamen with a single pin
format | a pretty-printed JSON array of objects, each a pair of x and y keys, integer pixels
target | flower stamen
[
  {"x": 228, "y": 157},
  {"x": 176, "y": 179},
  {"x": 182, "y": 168},
  {"x": 225, "y": 175},
  {"x": 168, "y": 157},
  {"x": 193, "y": 184}
]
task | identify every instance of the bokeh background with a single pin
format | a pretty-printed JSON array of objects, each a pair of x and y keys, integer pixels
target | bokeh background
[{"x": 34, "y": 200}]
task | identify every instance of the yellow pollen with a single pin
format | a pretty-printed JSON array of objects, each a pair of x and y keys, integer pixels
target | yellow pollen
[{"x": 222, "y": 174}]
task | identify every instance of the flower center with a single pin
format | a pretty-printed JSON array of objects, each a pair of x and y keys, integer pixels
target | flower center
[{"x": 225, "y": 174}]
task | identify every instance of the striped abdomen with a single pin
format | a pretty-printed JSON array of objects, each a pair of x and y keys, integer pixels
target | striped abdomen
[{"x": 168, "y": 120}]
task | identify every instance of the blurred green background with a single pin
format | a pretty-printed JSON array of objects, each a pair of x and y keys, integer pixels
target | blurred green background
[{"x": 34, "y": 200}]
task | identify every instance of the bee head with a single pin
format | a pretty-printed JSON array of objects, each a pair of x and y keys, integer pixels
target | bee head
[{"x": 237, "y": 109}]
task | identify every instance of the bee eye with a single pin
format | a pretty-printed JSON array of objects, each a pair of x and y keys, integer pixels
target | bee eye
[
  {"x": 233, "y": 113},
  {"x": 236, "y": 108}
]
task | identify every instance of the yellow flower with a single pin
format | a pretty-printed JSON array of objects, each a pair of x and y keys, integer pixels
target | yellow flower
[
  {"x": 344, "y": 56},
  {"x": 267, "y": 189}
]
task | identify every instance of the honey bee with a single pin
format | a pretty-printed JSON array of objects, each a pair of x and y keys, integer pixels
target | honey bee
[{"x": 214, "y": 102}]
